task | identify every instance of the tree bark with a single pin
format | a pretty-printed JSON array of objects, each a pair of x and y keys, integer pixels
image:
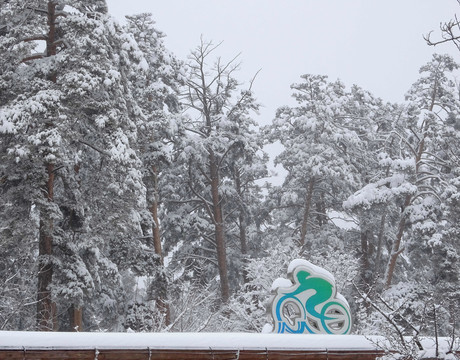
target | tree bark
[
  {"x": 396, "y": 248},
  {"x": 161, "y": 301},
  {"x": 46, "y": 308},
  {"x": 76, "y": 318}
]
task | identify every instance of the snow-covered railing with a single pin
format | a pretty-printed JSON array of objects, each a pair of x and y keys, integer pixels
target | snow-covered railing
[
  {"x": 165, "y": 346},
  {"x": 187, "y": 346},
  {"x": 132, "y": 346}
]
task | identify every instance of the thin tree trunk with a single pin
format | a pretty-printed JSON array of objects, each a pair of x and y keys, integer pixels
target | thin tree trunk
[
  {"x": 219, "y": 229},
  {"x": 46, "y": 308},
  {"x": 306, "y": 213},
  {"x": 161, "y": 300},
  {"x": 396, "y": 248}
]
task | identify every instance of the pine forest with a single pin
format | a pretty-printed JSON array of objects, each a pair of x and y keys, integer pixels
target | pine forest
[{"x": 135, "y": 190}]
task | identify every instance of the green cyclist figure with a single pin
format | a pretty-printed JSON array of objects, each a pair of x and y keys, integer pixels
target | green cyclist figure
[{"x": 320, "y": 308}]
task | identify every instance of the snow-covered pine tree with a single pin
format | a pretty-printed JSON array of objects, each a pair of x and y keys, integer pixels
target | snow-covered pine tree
[
  {"x": 107, "y": 167},
  {"x": 216, "y": 136},
  {"x": 69, "y": 120},
  {"x": 31, "y": 117},
  {"x": 17, "y": 222},
  {"x": 432, "y": 249},
  {"x": 431, "y": 100},
  {"x": 407, "y": 185},
  {"x": 156, "y": 90},
  {"x": 372, "y": 120},
  {"x": 321, "y": 152}
]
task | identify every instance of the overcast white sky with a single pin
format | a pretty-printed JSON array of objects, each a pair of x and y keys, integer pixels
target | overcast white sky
[{"x": 376, "y": 44}]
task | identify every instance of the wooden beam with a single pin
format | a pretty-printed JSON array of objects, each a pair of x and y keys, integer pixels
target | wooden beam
[{"x": 165, "y": 354}]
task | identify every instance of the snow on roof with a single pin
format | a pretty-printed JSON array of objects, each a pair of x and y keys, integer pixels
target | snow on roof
[{"x": 13, "y": 340}]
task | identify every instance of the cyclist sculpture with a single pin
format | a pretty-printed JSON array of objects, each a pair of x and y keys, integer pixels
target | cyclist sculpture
[{"x": 311, "y": 304}]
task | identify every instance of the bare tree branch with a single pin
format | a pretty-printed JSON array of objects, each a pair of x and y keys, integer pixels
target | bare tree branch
[{"x": 94, "y": 147}]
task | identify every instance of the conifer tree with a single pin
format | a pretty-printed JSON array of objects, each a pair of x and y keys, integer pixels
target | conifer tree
[
  {"x": 215, "y": 137},
  {"x": 407, "y": 185},
  {"x": 156, "y": 90},
  {"x": 321, "y": 149},
  {"x": 69, "y": 120}
]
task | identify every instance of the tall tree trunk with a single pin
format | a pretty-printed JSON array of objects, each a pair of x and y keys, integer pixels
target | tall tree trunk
[
  {"x": 46, "y": 308},
  {"x": 306, "y": 212},
  {"x": 396, "y": 248},
  {"x": 219, "y": 229},
  {"x": 161, "y": 300}
]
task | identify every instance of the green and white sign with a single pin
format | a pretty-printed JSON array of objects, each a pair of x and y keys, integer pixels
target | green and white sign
[{"x": 309, "y": 302}]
